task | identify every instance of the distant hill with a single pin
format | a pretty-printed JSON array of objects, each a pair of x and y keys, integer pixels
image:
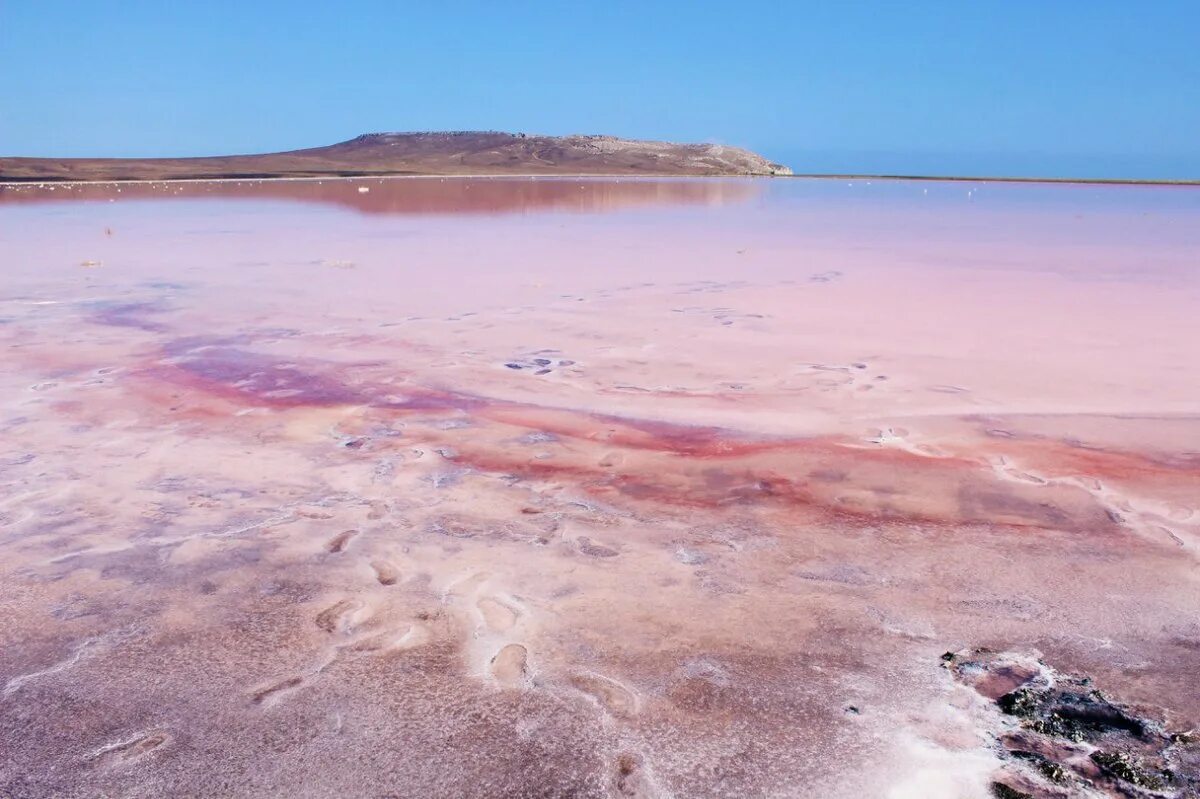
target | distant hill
[{"x": 459, "y": 153}]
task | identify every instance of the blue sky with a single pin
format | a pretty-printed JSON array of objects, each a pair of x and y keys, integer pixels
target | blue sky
[{"x": 1066, "y": 88}]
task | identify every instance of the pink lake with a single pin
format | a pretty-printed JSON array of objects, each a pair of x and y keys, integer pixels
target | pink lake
[{"x": 599, "y": 488}]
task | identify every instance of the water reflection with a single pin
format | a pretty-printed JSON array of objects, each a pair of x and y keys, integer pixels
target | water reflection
[{"x": 406, "y": 196}]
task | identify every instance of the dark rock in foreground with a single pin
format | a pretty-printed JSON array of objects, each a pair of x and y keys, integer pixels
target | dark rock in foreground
[{"x": 1058, "y": 736}]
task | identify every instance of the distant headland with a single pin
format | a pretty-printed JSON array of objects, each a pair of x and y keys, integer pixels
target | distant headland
[{"x": 432, "y": 153}]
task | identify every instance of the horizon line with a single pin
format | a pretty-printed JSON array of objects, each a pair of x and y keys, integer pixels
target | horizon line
[{"x": 1187, "y": 182}]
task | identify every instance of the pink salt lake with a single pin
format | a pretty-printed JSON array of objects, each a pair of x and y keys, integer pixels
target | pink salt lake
[{"x": 562, "y": 487}]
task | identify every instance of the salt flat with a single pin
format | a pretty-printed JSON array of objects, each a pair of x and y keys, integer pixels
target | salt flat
[{"x": 599, "y": 487}]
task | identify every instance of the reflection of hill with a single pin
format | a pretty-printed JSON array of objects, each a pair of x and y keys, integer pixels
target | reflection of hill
[{"x": 419, "y": 195}]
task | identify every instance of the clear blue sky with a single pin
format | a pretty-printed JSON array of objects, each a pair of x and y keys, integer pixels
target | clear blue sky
[{"x": 1066, "y": 87}]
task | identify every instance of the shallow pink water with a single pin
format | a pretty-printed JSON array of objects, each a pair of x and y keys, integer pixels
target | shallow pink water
[{"x": 585, "y": 488}]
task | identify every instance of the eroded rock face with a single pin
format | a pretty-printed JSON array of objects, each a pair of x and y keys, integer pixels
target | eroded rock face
[{"x": 1059, "y": 735}]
